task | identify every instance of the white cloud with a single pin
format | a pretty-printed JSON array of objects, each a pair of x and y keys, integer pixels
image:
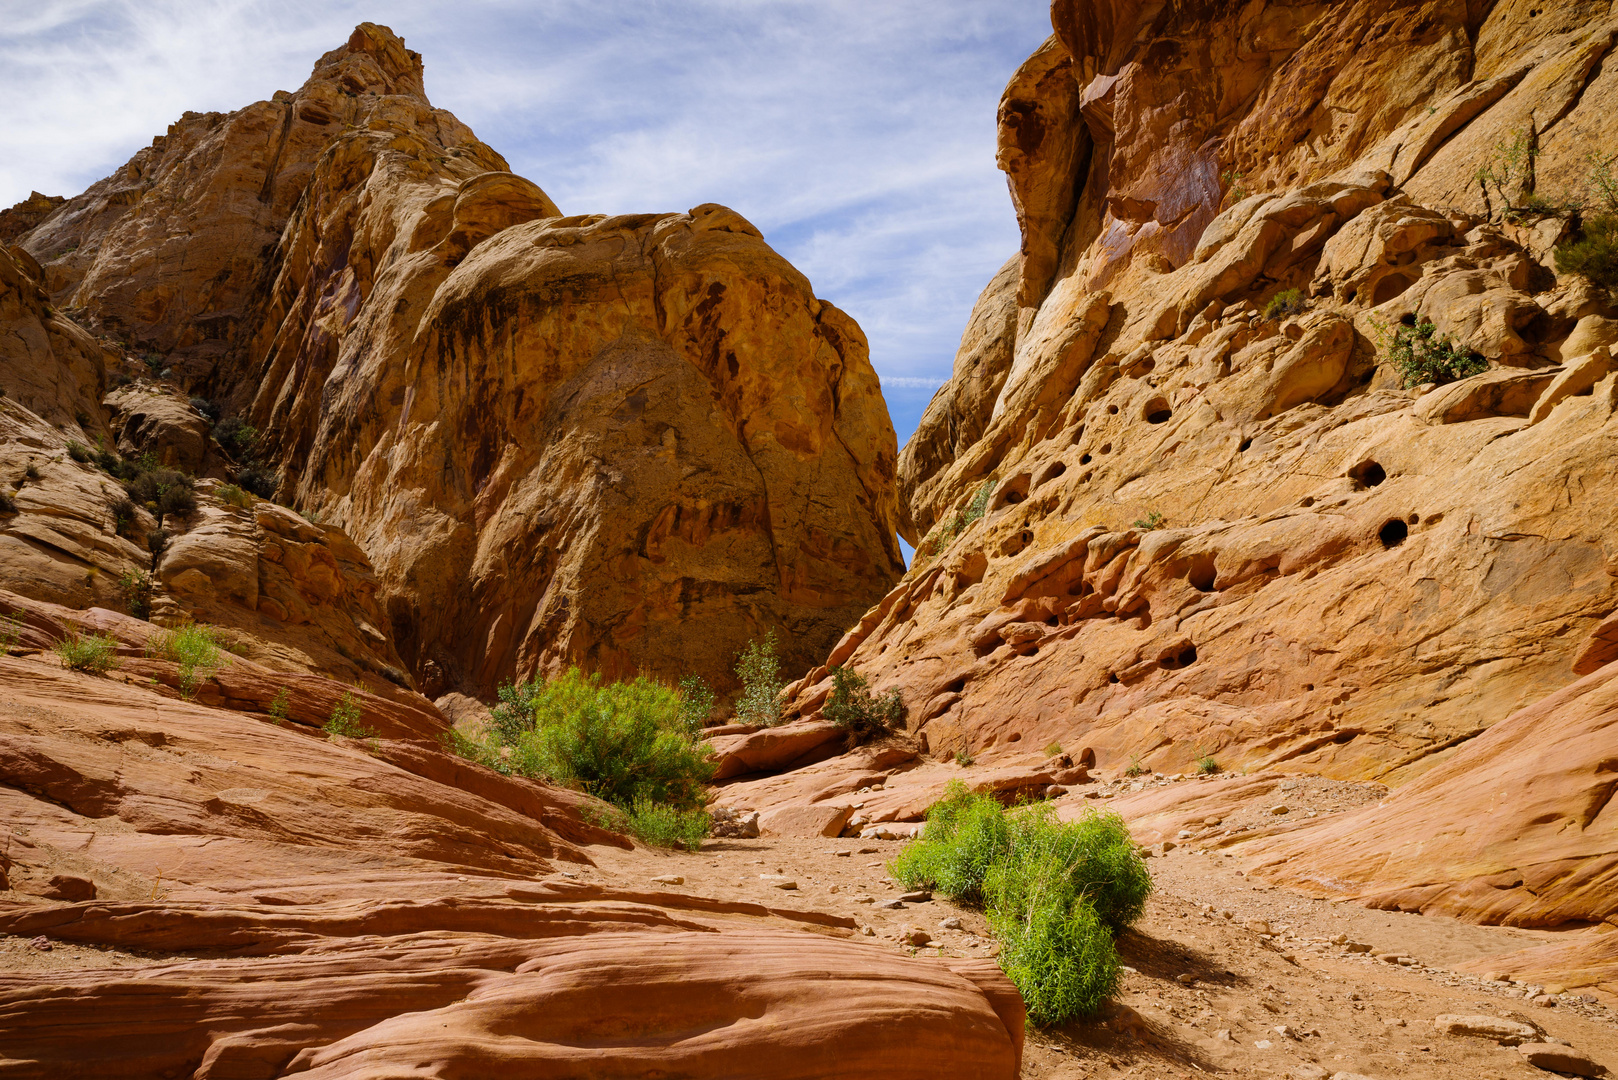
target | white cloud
[{"x": 858, "y": 136}]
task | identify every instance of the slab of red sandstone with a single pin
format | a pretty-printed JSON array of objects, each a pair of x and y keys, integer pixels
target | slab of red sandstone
[{"x": 364, "y": 905}]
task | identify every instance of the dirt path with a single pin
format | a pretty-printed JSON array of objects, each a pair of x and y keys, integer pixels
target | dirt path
[{"x": 1341, "y": 1011}]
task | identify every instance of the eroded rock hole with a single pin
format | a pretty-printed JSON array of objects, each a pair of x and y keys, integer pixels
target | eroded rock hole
[
  {"x": 1203, "y": 573},
  {"x": 1050, "y": 472},
  {"x": 1112, "y": 410},
  {"x": 1368, "y": 473},
  {"x": 1157, "y": 411},
  {"x": 1084, "y": 459},
  {"x": 1393, "y": 533},
  {"x": 1246, "y": 443},
  {"x": 1106, "y": 448},
  {"x": 1078, "y": 435}
]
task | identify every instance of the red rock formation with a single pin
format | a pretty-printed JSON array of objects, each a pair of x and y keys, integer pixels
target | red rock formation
[
  {"x": 558, "y": 440},
  {"x": 349, "y": 907}
]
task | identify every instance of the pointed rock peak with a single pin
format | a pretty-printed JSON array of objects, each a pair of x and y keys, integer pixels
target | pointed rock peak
[{"x": 374, "y": 60}]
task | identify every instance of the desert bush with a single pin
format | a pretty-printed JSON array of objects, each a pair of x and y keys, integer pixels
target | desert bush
[
  {"x": 95, "y": 653},
  {"x": 31, "y": 472},
  {"x": 1053, "y": 749},
  {"x": 237, "y": 437},
  {"x": 136, "y": 585},
  {"x": 156, "y": 541},
  {"x": 123, "y": 517},
  {"x": 1151, "y": 522},
  {"x": 860, "y": 714},
  {"x": 1284, "y": 303},
  {"x": 194, "y": 647},
  {"x": 697, "y": 703},
  {"x": 1594, "y": 255},
  {"x": 164, "y": 491},
  {"x": 232, "y": 495},
  {"x": 80, "y": 453},
  {"x": 257, "y": 479},
  {"x": 965, "y": 759},
  {"x": 346, "y": 720},
  {"x": 1055, "y": 892},
  {"x": 1207, "y": 765},
  {"x": 619, "y": 741},
  {"x": 205, "y": 409},
  {"x": 760, "y": 673},
  {"x": 1420, "y": 355},
  {"x": 281, "y": 705},
  {"x": 658, "y": 824}
]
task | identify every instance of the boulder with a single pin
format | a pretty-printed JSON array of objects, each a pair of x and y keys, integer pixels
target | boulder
[{"x": 805, "y": 821}]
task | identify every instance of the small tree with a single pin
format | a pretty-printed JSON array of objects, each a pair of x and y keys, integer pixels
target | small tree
[{"x": 760, "y": 673}]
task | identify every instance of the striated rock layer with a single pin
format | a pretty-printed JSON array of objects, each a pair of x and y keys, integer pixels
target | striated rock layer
[
  {"x": 558, "y": 439},
  {"x": 346, "y": 907}
]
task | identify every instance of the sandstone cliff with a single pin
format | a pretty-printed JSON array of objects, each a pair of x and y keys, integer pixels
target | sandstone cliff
[
  {"x": 558, "y": 439},
  {"x": 1156, "y": 522}
]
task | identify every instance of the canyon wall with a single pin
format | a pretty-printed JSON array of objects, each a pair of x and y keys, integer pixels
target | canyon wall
[
  {"x": 1208, "y": 531},
  {"x": 557, "y": 439}
]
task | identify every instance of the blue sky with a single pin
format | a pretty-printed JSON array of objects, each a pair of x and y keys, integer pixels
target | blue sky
[{"x": 857, "y": 134}]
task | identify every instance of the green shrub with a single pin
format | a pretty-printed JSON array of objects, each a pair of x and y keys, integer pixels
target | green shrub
[
  {"x": 760, "y": 673},
  {"x": 1594, "y": 255},
  {"x": 205, "y": 409},
  {"x": 1207, "y": 765},
  {"x": 346, "y": 717},
  {"x": 237, "y": 437},
  {"x": 95, "y": 653},
  {"x": 697, "y": 703},
  {"x": 1135, "y": 767},
  {"x": 168, "y": 490},
  {"x": 194, "y": 647},
  {"x": 1421, "y": 356},
  {"x": 1055, "y": 892},
  {"x": 1053, "y": 749},
  {"x": 658, "y": 824},
  {"x": 513, "y": 711},
  {"x": 1284, "y": 303},
  {"x": 31, "y": 472},
  {"x": 257, "y": 479},
  {"x": 232, "y": 495},
  {"x": 123, "y": 517},
  {"x": 136, "y": 585},
  {"x": 281, "y": 705},
  {"x": 861, "y": 715},
  {"x": 156, "y": 541},
  {"x": 965, "y": 759},
  {"x": 620, "y": 742},
  {"x": 80, "y": 453},
  {"x": 1150, "y": 522}
]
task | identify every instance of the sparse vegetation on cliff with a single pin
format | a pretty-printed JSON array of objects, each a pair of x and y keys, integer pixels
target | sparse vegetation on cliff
[
  {"x": 1421, "y": 355},
  {"x": 95, "y": 653},
  {"x": 136, "y": 585},
  {"x": 862, "y": 715},
  {"x": 1055, "y": 892},
  {"x": 347, "y": 720},
  {"x": 194, "y": 647}
]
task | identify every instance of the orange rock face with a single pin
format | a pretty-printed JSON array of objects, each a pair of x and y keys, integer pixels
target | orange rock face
[
  {"x": 1180, "y": 501},
  {"x": 559, "y": 440},
  {"x": 1206, "y": 531}
]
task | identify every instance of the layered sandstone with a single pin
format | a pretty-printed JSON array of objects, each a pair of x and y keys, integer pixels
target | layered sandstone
[
  {"x": 354, "y": 906},
  {"x": 558, "y": 439}
]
